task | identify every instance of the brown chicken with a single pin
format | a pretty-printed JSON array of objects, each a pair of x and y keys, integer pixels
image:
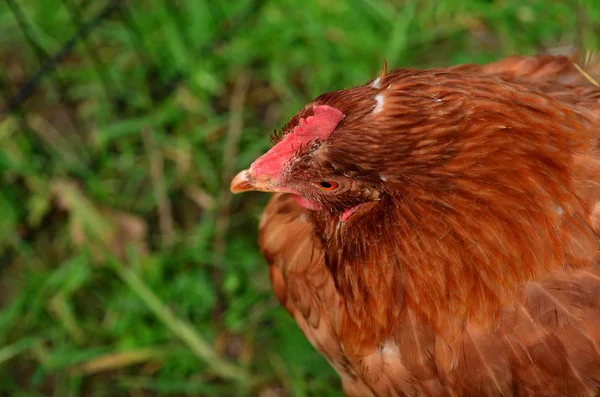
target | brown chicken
[{"x": 436, "y": 232}]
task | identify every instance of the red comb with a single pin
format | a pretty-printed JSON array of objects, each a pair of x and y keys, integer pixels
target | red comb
[{"x": 317, "y": 127}]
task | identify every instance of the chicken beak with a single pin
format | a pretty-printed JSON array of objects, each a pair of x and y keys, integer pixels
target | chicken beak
[{"x": 246, "y": 182}]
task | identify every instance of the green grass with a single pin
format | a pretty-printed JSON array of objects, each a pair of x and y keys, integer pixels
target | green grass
[{"x": 126, "y": 267}]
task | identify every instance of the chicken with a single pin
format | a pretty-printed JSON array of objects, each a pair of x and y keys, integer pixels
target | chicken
[{"x": 436, "y": 232}]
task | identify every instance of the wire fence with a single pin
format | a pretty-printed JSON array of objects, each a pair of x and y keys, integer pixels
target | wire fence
[
  {"x": 49, "y": 62},
  {"x": 13, "y": 97}
]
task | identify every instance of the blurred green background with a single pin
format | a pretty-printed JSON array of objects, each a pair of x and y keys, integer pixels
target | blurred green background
[{"x": 127, "y": 269}]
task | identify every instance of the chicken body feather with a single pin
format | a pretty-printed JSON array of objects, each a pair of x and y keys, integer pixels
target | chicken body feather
[{"x": 469, "y": 263}]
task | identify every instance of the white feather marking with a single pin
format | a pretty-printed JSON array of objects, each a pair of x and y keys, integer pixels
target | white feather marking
[
  {"x": 390, "y": 351},
  {"x": 382, "y": 177},
  {"x": 559, "y": 210},
  {"x": 376, "y": 83},
  {"x": 380, "y": 101}
]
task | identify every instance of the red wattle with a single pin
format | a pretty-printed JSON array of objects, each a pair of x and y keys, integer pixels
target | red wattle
[{"x": 306, "y": 203}]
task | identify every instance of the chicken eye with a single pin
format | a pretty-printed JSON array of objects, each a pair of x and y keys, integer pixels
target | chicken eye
[{"x": 326, "y": 185}]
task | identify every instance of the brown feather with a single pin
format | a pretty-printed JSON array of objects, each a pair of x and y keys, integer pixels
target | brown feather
[{"x": 471, "y": 266}]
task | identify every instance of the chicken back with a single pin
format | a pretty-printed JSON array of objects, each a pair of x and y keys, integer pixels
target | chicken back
[{"x": 436, "y": 232}]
